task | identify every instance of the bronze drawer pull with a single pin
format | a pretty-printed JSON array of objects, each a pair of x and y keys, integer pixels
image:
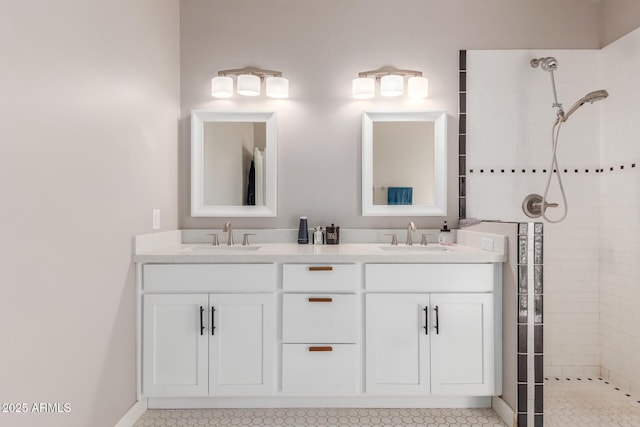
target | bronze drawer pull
[
  {"x": 321, "y": 348},
  {"x": 320, "y": 299},
  {"x": 321, "y": 268}
]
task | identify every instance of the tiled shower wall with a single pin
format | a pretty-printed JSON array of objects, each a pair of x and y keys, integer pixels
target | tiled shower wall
[
  {"x": 509, "y": 120},
  {"x": 620, "y": 215},
  {"x": 592, "y": 258}
]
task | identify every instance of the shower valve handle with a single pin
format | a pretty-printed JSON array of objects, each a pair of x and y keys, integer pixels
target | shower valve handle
[
  {"x": 546, "y": 205},
  {"x": 532, "y": 205}
]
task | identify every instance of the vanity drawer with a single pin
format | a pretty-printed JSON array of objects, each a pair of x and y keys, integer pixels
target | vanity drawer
[
  {"x": 429, "y": 277},
  {"x": 320, "y": 318},
  {"x": 321, "y": 277},
  {"x": 209, "y": 277},
  {"x": 320, "y": 369}
]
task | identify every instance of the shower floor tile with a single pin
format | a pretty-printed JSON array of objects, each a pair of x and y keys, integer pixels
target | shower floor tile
[
  {"x": 588, "y": 402},
  {"x": 321, "y": 417}
]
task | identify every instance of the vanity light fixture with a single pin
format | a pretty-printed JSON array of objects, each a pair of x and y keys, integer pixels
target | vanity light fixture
[
  {"x": 391, "y": 83},
  {"x": 248, "y": 83}
]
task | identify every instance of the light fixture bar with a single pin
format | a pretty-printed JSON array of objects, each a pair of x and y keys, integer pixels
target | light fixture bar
[
  {"x": 260, "y": 72},
  {"x": 391, "y": 81},
  {"x": 248, "y": 82},
  {"x": 386, "y": 71}
]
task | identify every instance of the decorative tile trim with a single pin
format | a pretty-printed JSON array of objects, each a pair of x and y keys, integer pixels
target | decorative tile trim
[
  {"x": 530, "y": 287},
  {"x": 522, "y": 326},
  {"x": 538, "y": 374},
  {"x": 587, "y": 379},
  {"x": 501, "y": 170},
  {"x": 462, "y": 134}
]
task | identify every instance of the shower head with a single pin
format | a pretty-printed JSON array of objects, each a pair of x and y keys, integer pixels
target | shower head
[
  {"x": 591, "y": 97},
  {"x": 547, "y": 64}
]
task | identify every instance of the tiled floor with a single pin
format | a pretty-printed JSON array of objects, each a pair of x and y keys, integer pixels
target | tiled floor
[
  {"x": 588, "y": 402},
  {"x": 321, "y": 417},
  {"x": 568, "y": 402}
]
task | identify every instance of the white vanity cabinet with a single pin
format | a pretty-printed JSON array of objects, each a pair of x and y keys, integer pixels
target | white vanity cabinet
[
  {"x": 320, "y": 329},
  {"x": 430, "y": 329},
  {"x": 287, "y": 325},
  {"x": 208, "y": 344}
]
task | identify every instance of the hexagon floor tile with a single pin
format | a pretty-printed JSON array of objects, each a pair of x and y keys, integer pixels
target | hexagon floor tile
[{"x": 321, "y": 417}]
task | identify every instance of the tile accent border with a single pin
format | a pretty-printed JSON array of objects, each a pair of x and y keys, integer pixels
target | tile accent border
[
  {"x": 587, "y": 379},
  {"x": 530, "y": 396},
  {"x": 462, "y": 135},
  {"x": 634, "y": 165}
]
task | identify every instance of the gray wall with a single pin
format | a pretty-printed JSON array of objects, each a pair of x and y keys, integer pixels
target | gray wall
[
  {"x": 321, "y": 47},
  {"x": 88, "y": 147},
  {"x": 619, "y": 17}
]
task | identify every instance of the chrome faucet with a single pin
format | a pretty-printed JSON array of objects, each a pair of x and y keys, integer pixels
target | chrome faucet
[
  {"x": 228, "y": 229},
  {"x": 411, "y": 227}
]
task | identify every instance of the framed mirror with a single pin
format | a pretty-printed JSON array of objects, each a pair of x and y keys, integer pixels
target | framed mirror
[
  {"x": 404, "y": 163},
  {"x": 233, "y": 164}
]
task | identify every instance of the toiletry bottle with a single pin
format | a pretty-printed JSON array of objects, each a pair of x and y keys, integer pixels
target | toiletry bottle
[
  {"x": 332, "y": 234},
  {"x": 303, "y": 231},
  {"x": 318, "y": 236},
  {"x": 445, "y": 237}
]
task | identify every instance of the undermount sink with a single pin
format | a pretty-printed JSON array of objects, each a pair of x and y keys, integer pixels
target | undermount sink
[
  {"x": 415, "y": 248},
  {"x": 221, "y": 248}
]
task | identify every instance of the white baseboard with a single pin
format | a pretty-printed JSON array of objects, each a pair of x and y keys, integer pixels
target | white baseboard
[
  {"x": 504, "y": 411},
  {"x": 133, "y": 414}
]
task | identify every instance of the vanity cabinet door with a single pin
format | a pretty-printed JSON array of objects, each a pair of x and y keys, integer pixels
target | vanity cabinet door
[
  {"x": 175, "y": 345},
  {"x": 241, "y": 343},
  {"x": 397, "y": 346},
  {"x": 462, "y": 346}
]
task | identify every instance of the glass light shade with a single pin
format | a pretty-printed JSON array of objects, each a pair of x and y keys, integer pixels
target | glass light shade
[
  {"x": 277, "y": 87},
  {"x": 248, "y": 85},
  {"x": 418, "y": 87},
  {"x": 221, "y": 87},
  {"x": 391, "y": 85},
  {"x": 363, "y": 88}
]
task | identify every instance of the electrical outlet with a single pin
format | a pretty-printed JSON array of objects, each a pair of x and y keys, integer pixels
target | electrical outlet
[
  {"x": 156, "y": 219},
  {"x": 486, "y": 244}
]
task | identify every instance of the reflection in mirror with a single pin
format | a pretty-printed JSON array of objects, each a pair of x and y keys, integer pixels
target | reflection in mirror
[
  {"x": 233, "y": 164},
  {"x": 404, "y": 164}
]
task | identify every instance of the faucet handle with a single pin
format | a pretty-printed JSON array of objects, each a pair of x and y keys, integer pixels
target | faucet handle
[
  {"x": 423, "y": 242},
  {"x": 394, "y": 238},
  {"x": 245, "y": 239},
  {"x": 214, "y": 240}
]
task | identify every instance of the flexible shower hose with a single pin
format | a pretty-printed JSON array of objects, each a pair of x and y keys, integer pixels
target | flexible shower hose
[{"x": 555, "y": 133}]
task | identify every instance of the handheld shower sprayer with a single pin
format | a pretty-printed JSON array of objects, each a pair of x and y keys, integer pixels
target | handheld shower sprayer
[
  {"x": 591, "y": 97},
  {"x": 535, "y": 205}
]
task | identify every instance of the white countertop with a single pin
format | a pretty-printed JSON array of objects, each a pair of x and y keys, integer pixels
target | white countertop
[{"x": 294, "y": 253}]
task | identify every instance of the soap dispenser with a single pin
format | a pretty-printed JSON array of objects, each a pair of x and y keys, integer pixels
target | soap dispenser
[
  {"x": 445, "y": 237},
  {"x": 303, "y": 231}
]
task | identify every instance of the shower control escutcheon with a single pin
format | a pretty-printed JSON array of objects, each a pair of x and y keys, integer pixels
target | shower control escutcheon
[{"x": 532, "y": 206}]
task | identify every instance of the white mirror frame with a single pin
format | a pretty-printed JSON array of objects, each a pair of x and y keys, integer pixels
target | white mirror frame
[
  {"x": 439, "y": 206},
  {"x": 198, "y": 208}
]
